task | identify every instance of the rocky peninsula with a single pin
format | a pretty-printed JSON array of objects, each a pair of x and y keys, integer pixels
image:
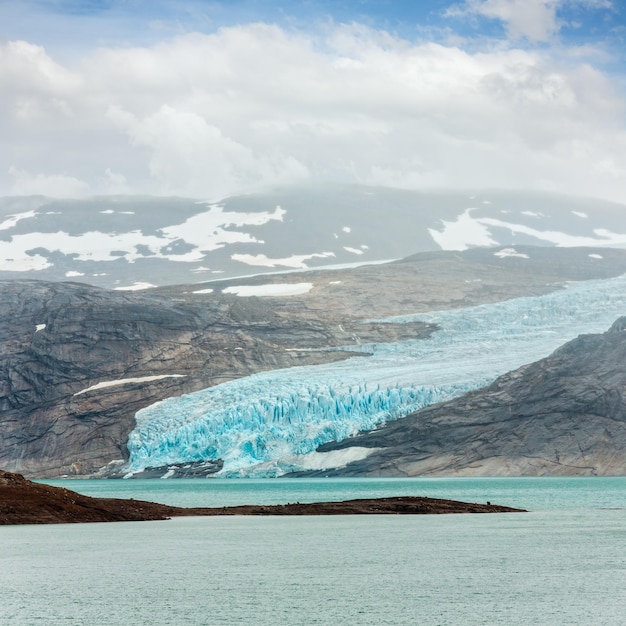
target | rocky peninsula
[{"x": 26, "y": 502}]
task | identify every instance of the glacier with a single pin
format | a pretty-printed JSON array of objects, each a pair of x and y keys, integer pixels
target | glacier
[{"x": 260, "y": 423}]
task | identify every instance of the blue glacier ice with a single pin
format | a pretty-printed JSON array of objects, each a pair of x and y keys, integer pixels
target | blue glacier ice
[{"x": 254, "y": 422}]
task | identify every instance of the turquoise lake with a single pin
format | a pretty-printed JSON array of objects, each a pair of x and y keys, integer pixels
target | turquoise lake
[{"x": 563, "y": 562}]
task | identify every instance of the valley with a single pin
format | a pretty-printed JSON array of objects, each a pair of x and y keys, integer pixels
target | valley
[{"x": 79, "y": 363}]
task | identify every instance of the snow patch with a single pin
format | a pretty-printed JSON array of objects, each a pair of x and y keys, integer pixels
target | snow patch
[
  {"x": 39, "y": 327},
  {"x": 304, "y": 462},
  {"x": 73, "y": 274},
  {"x": 532, "y": 213},
  {"x": 580, "y": 214},
  {"x": 203, "y": 232},
  {"x": 353, "y": 250},
  {"x": 603, "y": 237},
  {"x": 462, "y": 233},
  {"x": 510, "y": 252},
  {"x": 12, "y": 220},
  {"x": 466, "y": 231},
  {"x": 208, "y": 230},
  {"x": 203, "y": 291},
  {"x": 346, "y": 229},
  {"x": 270, "y": 290},
  {"x": 138, "y": 286},
  {"x": 595, "y": 256},
  {"x": 297, "y": 261},
  {"x": 334, "y": 458},
  {"x": 20, "y": 260},
  {"x": 127, "y": 381}
]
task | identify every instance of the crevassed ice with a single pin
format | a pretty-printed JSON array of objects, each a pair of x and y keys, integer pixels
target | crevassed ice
[{"x": 272, "y": 415}]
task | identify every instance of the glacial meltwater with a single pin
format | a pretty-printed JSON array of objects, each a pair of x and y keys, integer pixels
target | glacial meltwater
[
  {"x": 267, "y": 424},
  {"x": 562, "y": 563}
]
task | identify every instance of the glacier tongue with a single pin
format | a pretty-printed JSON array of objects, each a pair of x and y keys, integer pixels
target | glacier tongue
[{"x": 260, "y": 419}]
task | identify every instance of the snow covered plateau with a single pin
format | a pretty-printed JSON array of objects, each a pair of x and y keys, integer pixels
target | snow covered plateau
[{"x": 140, "y": 242}]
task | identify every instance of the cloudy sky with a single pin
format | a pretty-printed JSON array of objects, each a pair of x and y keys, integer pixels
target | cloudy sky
[{"x": 207, "y": 98}]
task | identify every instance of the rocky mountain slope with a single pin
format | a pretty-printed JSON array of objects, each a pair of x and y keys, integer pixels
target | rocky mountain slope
[
  {"x": 60, "y": 340},
  {"x": 563, "y": 415},
  {"x": 77, "y": 362}
]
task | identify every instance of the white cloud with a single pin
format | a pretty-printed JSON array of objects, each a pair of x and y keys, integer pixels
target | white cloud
[
  {"x": 536, "y": 20},
  {"x": 193, "y": 157},
  {"x": 28, "y": 67},
  {"x": 115, "y": 183},
  {"x": 533, "y": 19},
  {"x": 55, "y": 185},
  {"x": 254, "y": 105}
]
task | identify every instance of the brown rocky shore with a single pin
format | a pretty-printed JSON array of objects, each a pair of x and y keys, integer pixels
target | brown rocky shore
[{"x": 25, "y": 502}]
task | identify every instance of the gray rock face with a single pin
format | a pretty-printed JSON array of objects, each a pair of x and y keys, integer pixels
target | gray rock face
[
  {"x": 58, "y": 340},
  {"x": 564, "y": 415},
  {"x": 77, "y": 362}
]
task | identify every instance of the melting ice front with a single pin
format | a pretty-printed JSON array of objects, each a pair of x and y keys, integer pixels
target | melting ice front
[{"x": 267, "y": 424}]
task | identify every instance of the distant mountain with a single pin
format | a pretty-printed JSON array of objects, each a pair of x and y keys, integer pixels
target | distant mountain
[
  {"x": 563, "y": 415},
  {"x": 78, "y": 362},
  {"x": 135, "y": 242}
]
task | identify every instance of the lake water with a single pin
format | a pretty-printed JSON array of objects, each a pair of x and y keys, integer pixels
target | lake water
[{"x": 562, "y": 563}]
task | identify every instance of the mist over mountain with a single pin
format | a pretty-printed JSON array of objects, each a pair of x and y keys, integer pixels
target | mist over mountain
[{"x": 135, "y": 242}]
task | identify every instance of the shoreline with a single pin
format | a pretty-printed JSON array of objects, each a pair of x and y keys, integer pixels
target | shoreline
[{"x": 26, "y": 502}]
